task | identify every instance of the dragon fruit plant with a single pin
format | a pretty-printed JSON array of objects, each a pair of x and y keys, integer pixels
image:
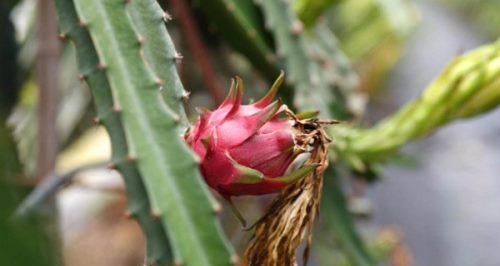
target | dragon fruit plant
[
  {"x": 248, "y": 149},
  {"x": 128, "y": 59}
]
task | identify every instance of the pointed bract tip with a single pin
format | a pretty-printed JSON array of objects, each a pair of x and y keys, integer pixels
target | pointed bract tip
[
  {"x": 206, "y": 142},
  {"x": 263, "y": 116},
  {"x": 246, "y": 175},
  {"x": 307, "y": 114},
  {"x": 235, "y": 97},
  {"x": 239, "y": 90},
  {"x": 272, "y": 92},
  {"x": 230, "y": 95},
  {"x": 268, "y": 112},
  {"x": 295, "y": 175}
]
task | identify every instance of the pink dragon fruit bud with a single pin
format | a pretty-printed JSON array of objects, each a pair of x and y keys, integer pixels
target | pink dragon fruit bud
[{"x": 247, "y": 149}]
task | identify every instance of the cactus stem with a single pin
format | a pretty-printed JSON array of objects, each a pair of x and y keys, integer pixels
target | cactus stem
[
  {"x": 72, "y": 23},
  {"x": 147, "y": 120}
]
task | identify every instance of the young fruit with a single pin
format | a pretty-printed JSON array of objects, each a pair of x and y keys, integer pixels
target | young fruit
[{"x": 248, "y": 149}]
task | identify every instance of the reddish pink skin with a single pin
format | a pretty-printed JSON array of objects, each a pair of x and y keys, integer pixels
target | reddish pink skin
[{"x": 237, "y": 133}]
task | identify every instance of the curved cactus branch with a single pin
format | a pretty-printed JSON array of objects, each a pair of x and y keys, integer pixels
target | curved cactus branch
[
  {"x": 469, "y": 86},
  {"x": 169, "y": 170},
  {"x": 158, "y": 250}
]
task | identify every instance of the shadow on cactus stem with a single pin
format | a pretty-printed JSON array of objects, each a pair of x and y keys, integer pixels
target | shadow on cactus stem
[{"x": 467, "y": 87}]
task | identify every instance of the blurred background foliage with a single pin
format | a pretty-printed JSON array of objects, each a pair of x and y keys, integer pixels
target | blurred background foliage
[
  {"x": 483, "y": 13},
  {"x": 337, "y": 56}
]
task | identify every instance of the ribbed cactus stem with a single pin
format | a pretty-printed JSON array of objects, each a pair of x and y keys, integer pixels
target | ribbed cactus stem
[
  {"x": 469, "y": 86},
  {"x": 178, "y": 196},
  {"x": 305, "y": 70},
  {"x": 160, "y": 53},
  {"x": 158, "y": 250}
]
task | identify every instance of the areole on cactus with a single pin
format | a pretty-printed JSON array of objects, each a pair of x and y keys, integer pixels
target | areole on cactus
[{"x": 248, "y": 149}]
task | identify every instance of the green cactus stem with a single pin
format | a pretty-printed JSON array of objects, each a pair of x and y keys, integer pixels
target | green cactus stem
[
  {"x": 158, "y": 250},
  {"x": 160, "y": 53},
  {"x": 469, "y": 86},
  {"x": 304, "y": 68},
  {"x": 178, "y": 196}
]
